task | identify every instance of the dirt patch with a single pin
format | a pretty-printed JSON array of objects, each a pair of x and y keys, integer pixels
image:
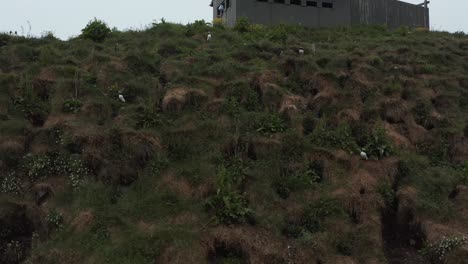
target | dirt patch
[
  {"x": 292, "y": 104},
  {"x": 394, "y": 111},
  {"x": 43, "y": 88},
  {"x": 265, "y": 146},
  {"x": 245, "y": 245},
  {"x": 178, "y": 99},
  {"x": 325, "y": 97},
  {"x": 47, "y": 74},
  {"x": 184, "y": 189},
  {"x": 83, "y": 221},
  {"x": 396, "y": 137},
  {"x": 349, "y": 115},
  {"x": 458, "y": 149}
]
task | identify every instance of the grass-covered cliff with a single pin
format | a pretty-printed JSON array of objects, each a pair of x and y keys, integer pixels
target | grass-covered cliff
[{"x": 235, "y": 150}]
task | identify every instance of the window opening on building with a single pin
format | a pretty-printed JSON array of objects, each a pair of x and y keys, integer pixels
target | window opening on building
[
  {"x": 327, "y": 5},
  {"x": 221, "y": 9},
  {"x": 296, "y": 2},
  {"x": 312, "y": 3},
  {"x": 279, "y": 1}
]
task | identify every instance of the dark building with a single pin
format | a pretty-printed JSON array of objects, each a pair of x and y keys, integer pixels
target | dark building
[{"x": 323, "y": 13}]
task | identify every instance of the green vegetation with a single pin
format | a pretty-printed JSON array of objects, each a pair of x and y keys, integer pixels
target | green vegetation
[
  {"x": 96, "y": 31},
  {"x": 438, "y": 252},
  {"x": 230, "y": 149}
]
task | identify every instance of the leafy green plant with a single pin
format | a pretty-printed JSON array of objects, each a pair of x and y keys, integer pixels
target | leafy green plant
[
  {"x": 228, "y": 205},
  {"x": 292, "y": 230},
  {"x": 54, "y": 220},
  {"x": 278, "y": 34},
  {"x": 147, "y": 118},
  {"x": 315, "y": 214},
  {"x": 388, "y": 194},
  {"x": 270, "y": 124},
  {"x": 347, "y": 243},
  {"x": 329, "y": 137},
  {"x": 242, "y": 95},
  {"x": 35, "y": 111},
  {"x": 437, "y": 252},
  {"x": 464, "y": 177},
  {"x": 41, "y": 167},
  {"x": 379, "y": 145},
  {"x": 96, "y": 30},
  {"x": 242, "y": 25},
  {"x": 72, "y": 106},
  {"x": 11, "y": 184},
  {"x": 421, "y": 113},
  {"x": 294, "y": 181},
  {"x": 437, "y": 150},
  {"x": 4, "y": 39},
  {"x": 76, "y": 171}
]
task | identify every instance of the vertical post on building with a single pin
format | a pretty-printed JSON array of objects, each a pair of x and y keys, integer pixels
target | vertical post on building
[{"x": 426, "y": 13}]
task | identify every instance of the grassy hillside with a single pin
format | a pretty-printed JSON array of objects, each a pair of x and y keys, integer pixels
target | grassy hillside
[{"x": 235, "y": 150}]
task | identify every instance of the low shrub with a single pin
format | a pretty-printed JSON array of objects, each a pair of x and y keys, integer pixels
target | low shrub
[
  {"x": 330, "y": 137},
  {"x": 387, "y": 193},
  {"x": 437, "y": 150},
  {"x": 140, "y": 62},
  {"x": 96, "y": 30},
  {"x": 34, "y": 110},
  {"x": 347, "y": 243},
  {"x": 242, "y": 95},
  {"x": 292, "y": 147},
  {"x": 378, "y": 146},
  {"x": 54, "y": 220},
  {"x": 270, "y": 124},
  {"x": 197, "y": 27},
  {"x": 292, "y": 230},
  {"x": 53, "y": 164},
  {"x": 11, "y": 183},
  {"x": 421, "y": 112},
  {"x": 308, "y": 123},
  {"x": 147, "y": 118},
  {"x": 315, "y": 214},
  {"x": 290, "y": 181},
  {"x": 464, "y": 176},
  {"x": 278, "y": 34},
  {"x": 72, "y": 106},
  {"x": 4, "y": 39},
  {"x": 437, "y": 252},
  {"x": 229, "y": 206},
  {"x": 242, "y": 25}
]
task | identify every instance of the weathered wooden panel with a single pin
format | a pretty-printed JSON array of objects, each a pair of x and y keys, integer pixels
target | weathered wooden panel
[{"x": 388, "y": 12}]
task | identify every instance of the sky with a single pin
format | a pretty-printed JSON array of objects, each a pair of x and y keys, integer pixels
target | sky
[{"x": 66, "y": 18}]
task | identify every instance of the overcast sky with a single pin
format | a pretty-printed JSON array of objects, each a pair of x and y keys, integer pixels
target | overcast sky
[{"x": 67, "y": 17}]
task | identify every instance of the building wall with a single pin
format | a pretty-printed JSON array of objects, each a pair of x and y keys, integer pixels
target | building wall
[
  {"x": 269, "y": 13},
  {"x": 389, "y": 12},
  {"x": 344, "y": 13}
]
